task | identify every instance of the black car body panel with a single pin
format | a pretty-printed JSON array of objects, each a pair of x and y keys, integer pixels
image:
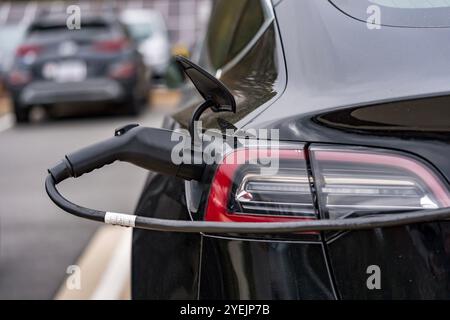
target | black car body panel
[
  {"x": 413, "y": 260},
  {"x": 435, "y": 15},
  {"x": 247, "y": 269},
  {"x": 343, "y": 85},
  {"x": 165, "y": 265},
  {"x": 336, "y": 63}
]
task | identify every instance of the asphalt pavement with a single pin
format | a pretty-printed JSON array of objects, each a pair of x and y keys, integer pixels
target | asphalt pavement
[{"x": 37, "y": 240}]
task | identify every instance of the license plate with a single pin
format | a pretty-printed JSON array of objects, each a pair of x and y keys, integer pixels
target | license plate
[{"x": 67, "y": 71}]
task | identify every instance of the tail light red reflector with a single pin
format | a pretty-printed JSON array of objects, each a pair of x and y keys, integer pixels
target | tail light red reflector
[
  {"x": 348, "y": 182},
  {"x": 19, "y": 77},
  {"x": 362, "y": 181},
  {"x": 25, "y": 50},
  {"x": 248, "y": 191},
  {"x": 123, "y": 70},
  {"x": 111, "y": 46}
]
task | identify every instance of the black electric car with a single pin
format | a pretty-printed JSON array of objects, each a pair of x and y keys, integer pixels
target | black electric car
[
  {"x": 367, "y": 106},
  {"x": 360, "y": 109},
  {"x": 97, "y": 62}
]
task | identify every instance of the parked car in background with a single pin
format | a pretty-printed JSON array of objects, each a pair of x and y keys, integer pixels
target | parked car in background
[
  {"x": 97, "y": 63},
  {"x": 148, "y": 29},
  {"x": 10, "y": 38}
]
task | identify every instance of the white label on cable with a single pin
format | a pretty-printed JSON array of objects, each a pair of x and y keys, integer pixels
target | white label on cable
[{"x": 120, "y": 219}]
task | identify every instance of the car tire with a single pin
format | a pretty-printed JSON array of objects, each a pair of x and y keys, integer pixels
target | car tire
[
  {"x": 136, "y": 104},
  {"x": 133, "y": 109},
  {"x": 22, "y": 114}
]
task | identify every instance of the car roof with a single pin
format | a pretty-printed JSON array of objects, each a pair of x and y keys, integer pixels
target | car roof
[{"x": 335, "y": 61}]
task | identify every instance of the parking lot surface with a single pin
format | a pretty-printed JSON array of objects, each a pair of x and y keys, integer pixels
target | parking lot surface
[{"x": 37, "y": 240}]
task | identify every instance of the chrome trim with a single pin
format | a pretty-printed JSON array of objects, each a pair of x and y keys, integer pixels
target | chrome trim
[
  {"x": 299, "y": 208},
  {"x": 278, "y": 178},
  {"x": 281, "y": 215},
  {"x": 370, "y": 207},
  {"x": 367, "y": 181},
  {"x": 298, "y": 204}
]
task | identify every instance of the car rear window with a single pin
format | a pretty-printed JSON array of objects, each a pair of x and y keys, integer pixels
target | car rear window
[
  {"x": 400, "y": 13},
  {"x": 87, "y": 30}
]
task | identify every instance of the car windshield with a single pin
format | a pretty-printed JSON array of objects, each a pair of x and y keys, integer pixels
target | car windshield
[
  {"x": 401, "y": 13},
  {"x": 57, "y": 31},
  {"x": 140, "y": 31}
]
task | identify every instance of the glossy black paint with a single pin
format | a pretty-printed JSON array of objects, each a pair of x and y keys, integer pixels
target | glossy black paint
[
  {"x": 340, "y": 72},
  {"x": 396, "y": 15},
  {"x": 165, "y": 265},
  {"x": 345, "y": 84},
  {"x": 243, "y": 269},
  {"x": 414, "y": 262}
]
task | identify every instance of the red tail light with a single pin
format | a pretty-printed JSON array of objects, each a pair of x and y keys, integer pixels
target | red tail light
[
  {"x": 19, "y": 77},
  {"x": 123, "y": 70},
  {"x": 242, "y": 192},
  {"x": 346, "y": 182},
  {"x": 28, "y": 50},
  {"x": 111, "y": 46},
  {"x": 362, "y": 181}
]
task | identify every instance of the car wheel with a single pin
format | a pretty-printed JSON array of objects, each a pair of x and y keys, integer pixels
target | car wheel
[
  {"x": 136, "y": 104},
  {"x": 22, "y": 114},
  {"x": 133, "y": 108}
]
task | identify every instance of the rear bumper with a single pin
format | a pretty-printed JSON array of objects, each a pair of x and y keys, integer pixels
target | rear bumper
[
  {"x": 158, "y": 70},
  {"x": 90, "y": 90},
  {"x": 263, "y": 269}
]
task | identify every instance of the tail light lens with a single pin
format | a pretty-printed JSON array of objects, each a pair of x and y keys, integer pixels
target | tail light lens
[
  {"x": 362, "y": 181},
  {"x": 19, "y": 77},
  {"x": 26, "y": 50},
  {"x": 347, "y": 182},
  {"x": 261, "y": 185},
  {"x": 111, "y": 46},
  {"x": 122, "y": 70}
]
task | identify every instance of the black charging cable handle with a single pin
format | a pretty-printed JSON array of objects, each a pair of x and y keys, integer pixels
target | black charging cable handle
[{"x": 148, "y": 148}]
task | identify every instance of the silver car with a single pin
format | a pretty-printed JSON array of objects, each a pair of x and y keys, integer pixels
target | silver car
[{"x": 148, "y": 29}]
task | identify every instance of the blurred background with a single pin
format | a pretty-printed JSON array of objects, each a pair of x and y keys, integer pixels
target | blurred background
[{"x": 70, "y": 73}]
